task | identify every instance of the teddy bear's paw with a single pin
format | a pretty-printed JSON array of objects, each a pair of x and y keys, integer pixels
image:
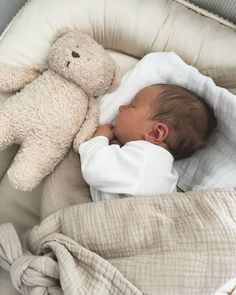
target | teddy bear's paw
[
  {"x": 7, "y": 132},
  {"x": 78, "y": 141},
  {"x": 21, "y": 180},
  {"x": 86, "y": 132},
  {"x": 31, "y": 164},
  {"x": 26, "y": 177},
  {"x": 25, "y": 173},
  {"x": 13, "y": 78}
]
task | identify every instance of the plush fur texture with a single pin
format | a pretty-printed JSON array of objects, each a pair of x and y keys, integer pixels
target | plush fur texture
[{"x": 55, "y": 107}]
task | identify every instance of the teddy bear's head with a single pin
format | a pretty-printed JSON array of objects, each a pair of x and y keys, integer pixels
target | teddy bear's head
[{"x": 79, "y": 58}]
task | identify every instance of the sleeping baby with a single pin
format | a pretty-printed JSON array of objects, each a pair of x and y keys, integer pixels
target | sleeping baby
[{"x": 162, "y": 123}]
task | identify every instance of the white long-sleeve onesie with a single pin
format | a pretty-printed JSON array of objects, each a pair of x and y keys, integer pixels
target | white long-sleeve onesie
[{"x": 137, "y": 168}]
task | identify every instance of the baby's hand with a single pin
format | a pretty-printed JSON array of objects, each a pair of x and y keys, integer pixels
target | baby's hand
[
  {"x": 115, "y": 141},
  {"x": 105, "y": 130}
]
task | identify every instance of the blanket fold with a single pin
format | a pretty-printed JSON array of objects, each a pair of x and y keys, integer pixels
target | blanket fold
[
  {"x": 30, "y": 274},
  {"x": 179, "y": 243},
  {"x": 10, "y": 246},
  {"x": 64, "y": 267}
]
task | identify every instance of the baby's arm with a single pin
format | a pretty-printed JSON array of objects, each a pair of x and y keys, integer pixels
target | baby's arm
[
  {"x": 107, "y": 131},
  {"x": 110, "y": 168}
]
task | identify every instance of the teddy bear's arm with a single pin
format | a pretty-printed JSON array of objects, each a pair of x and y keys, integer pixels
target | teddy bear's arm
[
  {"x": 14, "y": 78},
  {"x": 89, "y": 126}
]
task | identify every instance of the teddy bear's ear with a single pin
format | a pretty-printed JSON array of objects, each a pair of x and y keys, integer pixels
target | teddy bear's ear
[
  {"x": 59, "y": 34},
  {"x": 116, "y": 80}
]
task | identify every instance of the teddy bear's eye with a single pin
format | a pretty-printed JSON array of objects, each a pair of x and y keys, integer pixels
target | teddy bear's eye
[{"x": 75, "y": 54}]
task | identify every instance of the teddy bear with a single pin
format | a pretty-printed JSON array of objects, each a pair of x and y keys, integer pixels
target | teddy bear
[{"x": 54, "y": 109}]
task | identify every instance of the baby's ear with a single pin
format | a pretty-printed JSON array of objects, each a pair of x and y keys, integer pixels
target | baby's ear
[
  {"x": 157, "y": 133},
  {"x": 116, "y": 80}
]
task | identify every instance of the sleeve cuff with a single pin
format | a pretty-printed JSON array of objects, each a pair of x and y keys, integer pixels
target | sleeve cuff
[{"x": 94, "y": 143}]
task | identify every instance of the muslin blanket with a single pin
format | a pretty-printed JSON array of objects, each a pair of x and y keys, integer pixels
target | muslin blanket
[
  {"x": 181, "y": 243},
  {"x": 214, "y": 166}
]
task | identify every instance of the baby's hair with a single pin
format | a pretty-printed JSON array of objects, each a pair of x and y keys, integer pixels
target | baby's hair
[{"x": 189, "y": 118}]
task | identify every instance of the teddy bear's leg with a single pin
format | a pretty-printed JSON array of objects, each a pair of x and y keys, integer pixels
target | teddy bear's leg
[
  {"x": 34, "y": 160},
  {"x": 7, "y": 132}
]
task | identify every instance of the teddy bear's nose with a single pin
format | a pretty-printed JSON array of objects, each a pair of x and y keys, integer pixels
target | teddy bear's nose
[{"x": 75, "y": 54}]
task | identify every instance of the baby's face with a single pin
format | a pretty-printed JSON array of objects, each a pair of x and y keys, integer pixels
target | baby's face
[{"x": 134, "y": 119}]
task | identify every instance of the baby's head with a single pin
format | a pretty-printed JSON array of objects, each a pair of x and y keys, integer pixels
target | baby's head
[{"x": 169, "y": 116}]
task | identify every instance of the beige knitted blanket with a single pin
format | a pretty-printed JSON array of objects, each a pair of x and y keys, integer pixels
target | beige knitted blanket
[{"x": 181, "y": 243}]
